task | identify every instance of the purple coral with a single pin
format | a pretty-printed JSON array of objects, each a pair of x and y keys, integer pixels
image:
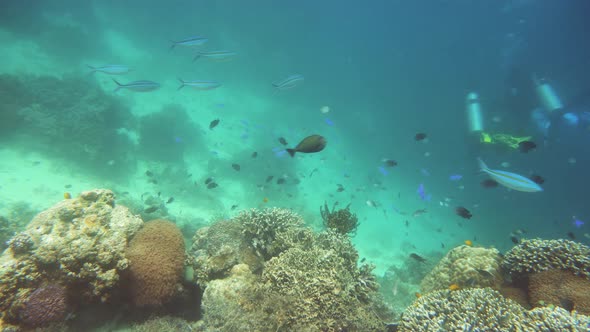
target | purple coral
[{"x": 45, "y": 305}]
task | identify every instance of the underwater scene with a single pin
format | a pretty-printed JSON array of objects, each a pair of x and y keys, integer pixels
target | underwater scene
[{"x": 267, "y": 165}]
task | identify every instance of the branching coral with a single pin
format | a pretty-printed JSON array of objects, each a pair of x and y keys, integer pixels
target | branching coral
[
  {"x": 156, "y": 262},
  {"x": 538, "y": 255},
  {"x": 484, "y": 309},
  {"x": 271, "y": 231},
  {"x": 342, "y": 221}
]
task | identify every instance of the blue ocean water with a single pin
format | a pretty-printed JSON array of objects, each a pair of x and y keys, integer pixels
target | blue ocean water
[{"x": 374, "y": 76}]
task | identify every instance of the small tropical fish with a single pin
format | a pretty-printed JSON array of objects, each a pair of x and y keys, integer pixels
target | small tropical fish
[
  {"x": 310, "y": 144},
  {"x": 371, "y": 203},
  {"x": 170, "y": 200},
  {"x": 454, "y": 287},
  {"x": 254, "y": 154},
  {"x": 151, "y": 209},
  {"x": 265, "y": 200},
  {"x": 199, "y": 85},
  {"x": 329, "y": 122},
  {"x": 281, "y": 181},
  {"x": 571, "y": 235},
  {"x": 68, "y": 186},
  {"x": 208, "y": 180},
  {"x": 537, "y": 179},
  {"x": 110, "y": 69},
  {"x": 236, "y": 167},
  {"x": 489, "y": 183},
  {"x": 149, "y": 173},
  {"x": 526, "y": 146},
  {"x": 420, "y": 136},
  {"x": 289, "y": 82},
  {"x": 154, "y": 181},
  {"x": 390, "y": 162},
  {"x": 422, "y": 193},
  {"x": 455, "y": 177},
  {"x": 417, "y": 258},
  {"x": 212, "y": 185},
  {"x": 138, "y": 86},
  {"x": 189, "y": 42},
  {"x": 283, "y": 141},
  {"x": 468, "y": 243},
  {"x": 233, "y": 207},
  {"x": 577, "y": 222},
  {"x": 514, "y": 239},
  {"x": 67, "y": 195},
  {"x": 463, "y": 212},
  {"x": 213, "y": 124},
  {"x": 510, "y": 180},
  {"x": 419, "y": 212},
  {"x": 215, "y": 55}
]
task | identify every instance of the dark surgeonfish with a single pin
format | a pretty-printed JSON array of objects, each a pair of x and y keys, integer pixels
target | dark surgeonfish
[
  {"x": 289, "y": 82},
  {"x": 310, "y": 144},
  {"x": 138, "y": 86},
  {"x": 190, "y": 42}
]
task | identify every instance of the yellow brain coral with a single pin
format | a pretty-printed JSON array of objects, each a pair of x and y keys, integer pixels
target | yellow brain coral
[{"x": 156, "y": 262}]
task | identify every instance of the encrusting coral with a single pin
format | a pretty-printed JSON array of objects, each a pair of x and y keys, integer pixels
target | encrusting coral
[
  {"x": 537, "y": 255},
  {"x": 156, "y": 262},
  {"x": 465, "y": 267},
  {"x": 560, "y": 288},
  {"x": 79, "y": 243},
  {"x": 45, "y": 305}
]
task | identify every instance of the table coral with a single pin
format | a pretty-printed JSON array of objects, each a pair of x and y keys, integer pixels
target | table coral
[
  {"x": 537, "y": 255},
  {"x": 466, "y": 267}
]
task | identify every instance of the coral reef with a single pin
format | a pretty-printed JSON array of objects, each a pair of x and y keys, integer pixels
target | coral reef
[
  {"x": 265, "y": 271},
  {"x": 156, "y": 262},
  {"x": 484, "y": 309},
  {"x": 79, "y": 243},
  {"x": 560, "y": 288},
  {"x": 342, "y": 220},
  {"x": 45, "y": 305},
  {"x": 69, "y": 117},
  {"x": 20, "y": 243},
  {"x": 537, "y": 255},
  {"x": 271, "y": 231},
  {"x": 217, "y": 248},
  {"x": 466, "y": 267},
  {"x": 162, "y": 324}
]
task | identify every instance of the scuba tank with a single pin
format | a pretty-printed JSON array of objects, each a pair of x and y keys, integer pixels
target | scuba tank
[
  {"x": 474, "y": 115},
  {"x": 547, "y": 95}
]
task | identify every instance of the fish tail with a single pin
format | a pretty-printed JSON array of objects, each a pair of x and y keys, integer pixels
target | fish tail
[
  {"x": 119, "y": 85},
  {"x": 93, "y": 69},
  {"x": 482, "y": 166},
  {"x": 197, "y": 56},
  {"x": 291, "y": 152},
  {"x": 173, "y": 45},
  {"x": 182, "y": 84}
]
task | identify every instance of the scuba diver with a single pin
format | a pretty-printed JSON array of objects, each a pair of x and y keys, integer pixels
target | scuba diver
[{"x": 549, "y": 120}]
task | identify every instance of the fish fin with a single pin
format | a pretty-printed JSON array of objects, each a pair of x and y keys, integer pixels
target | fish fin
[
  {"x": 119, "y": 85},
  {"x": 93, "y": 69},
  {"x": 173, "y": 45},
  {"x": 197, "y": 56},
  {"x": 483, "y": 167},
  {"x": 182, "y": 84},
  {"x": 291, "y": 152}
]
